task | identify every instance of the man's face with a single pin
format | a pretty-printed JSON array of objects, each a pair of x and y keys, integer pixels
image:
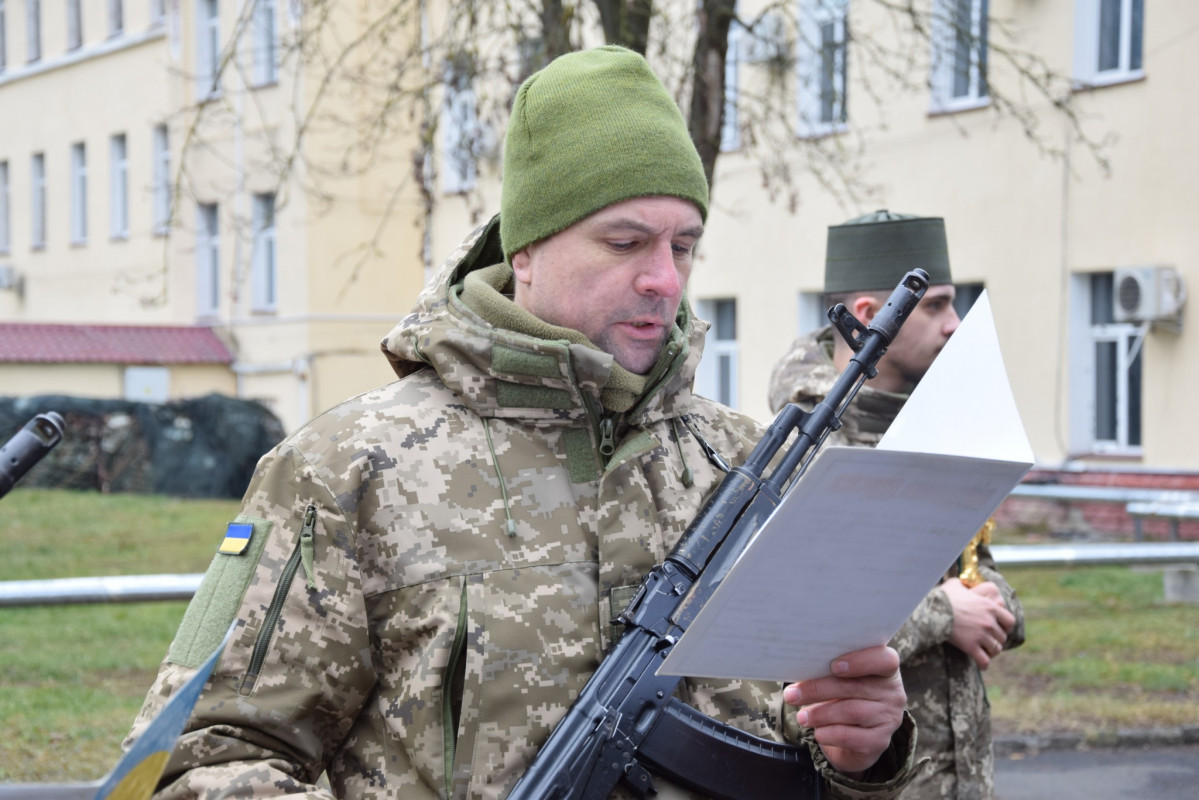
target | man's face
[
  {"x": 923, "y": 335},
  {"x": 616, "y": 276}
]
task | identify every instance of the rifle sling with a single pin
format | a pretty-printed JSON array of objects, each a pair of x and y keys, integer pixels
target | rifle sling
[{"x": 722, "y": 762}]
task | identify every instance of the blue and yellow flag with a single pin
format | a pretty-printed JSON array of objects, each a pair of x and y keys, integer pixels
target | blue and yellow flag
[{"x": 237, "y": 538}]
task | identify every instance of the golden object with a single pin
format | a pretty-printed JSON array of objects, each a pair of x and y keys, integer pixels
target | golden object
[{"x": 968, "y": 562}]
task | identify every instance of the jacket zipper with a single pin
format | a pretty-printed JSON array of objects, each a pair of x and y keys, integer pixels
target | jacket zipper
[
  {"x": 301, "y": 555},
  {"x": 449, "y": 723}
]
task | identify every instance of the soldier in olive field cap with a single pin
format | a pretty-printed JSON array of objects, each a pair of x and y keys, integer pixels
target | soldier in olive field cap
[
  {"x": 957, "y": 630},
  {"x": 432, "y": 566}
]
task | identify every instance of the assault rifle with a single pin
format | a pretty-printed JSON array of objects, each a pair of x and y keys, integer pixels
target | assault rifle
[
  {"x": 27, "y": 447},
  {"x": 626, "y": 725}
]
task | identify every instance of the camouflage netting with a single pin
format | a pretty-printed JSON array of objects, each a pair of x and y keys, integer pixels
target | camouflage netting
[{"x": 202, "y": 447}]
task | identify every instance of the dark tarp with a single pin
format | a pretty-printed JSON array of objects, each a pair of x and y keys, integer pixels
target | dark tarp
[{"x": 202, "y": 447}]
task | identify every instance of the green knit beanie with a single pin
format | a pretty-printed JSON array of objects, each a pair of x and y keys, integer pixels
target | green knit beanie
[
  {"x": 593, "y": 128},
  {"x": 875, "y": 251}
]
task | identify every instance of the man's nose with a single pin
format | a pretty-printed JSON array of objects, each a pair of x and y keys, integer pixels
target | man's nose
[
  {"x": 658, "y": 274},
  {"x": 952, "y": 323}
]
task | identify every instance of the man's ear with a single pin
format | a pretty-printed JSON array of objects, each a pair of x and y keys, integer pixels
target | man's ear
[
  {"x": 864, "y": 307},
  {"x": 521, "y": 266}
]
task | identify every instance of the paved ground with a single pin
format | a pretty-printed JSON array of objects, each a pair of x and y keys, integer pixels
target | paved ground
[{"x": 1157, "y": 764}]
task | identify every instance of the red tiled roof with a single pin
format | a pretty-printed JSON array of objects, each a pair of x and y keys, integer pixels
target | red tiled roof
[{"x": 47, "y": 343}]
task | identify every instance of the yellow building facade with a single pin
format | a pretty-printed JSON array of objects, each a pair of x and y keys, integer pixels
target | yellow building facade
[
  {"x": 1062, "y": 237},
  {"x": 1050, "y": 228},
  {"x": 159, "y": 166}
]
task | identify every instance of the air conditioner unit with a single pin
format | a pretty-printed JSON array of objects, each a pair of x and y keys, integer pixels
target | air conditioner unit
[
  {"x": 10, "y": 279},
  {"x": 1147, "y": 294}
]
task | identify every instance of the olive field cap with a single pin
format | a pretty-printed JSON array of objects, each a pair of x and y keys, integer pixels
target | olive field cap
[
  {"x": 875, "y": 251},
  {"x": 593, "y": 128}
]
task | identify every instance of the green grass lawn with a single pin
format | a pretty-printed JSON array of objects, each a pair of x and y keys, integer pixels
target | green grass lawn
[
  {"x": 74, "y": 676},
  {"x": 1103, "y": 652}
]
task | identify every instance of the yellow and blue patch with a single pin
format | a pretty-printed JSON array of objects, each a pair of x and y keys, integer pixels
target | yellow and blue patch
[{"x": 237, "y": 538}]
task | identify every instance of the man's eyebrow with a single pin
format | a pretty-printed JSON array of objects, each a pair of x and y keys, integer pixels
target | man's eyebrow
[{"x": 628, "y": 223}]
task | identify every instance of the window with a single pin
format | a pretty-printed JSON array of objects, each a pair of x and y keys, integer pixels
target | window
[
  {"x": 162, "y": 180},
  {"x": 1108, "y": 40},
  {"x": 1105, "y": 378},
  {"x": 716, "y": 377},
  {"x": 208, "y": 261},
  {"x": 116, "y": 17},
  {"x": 33, "y": 30},
  {"x": 208, "y": 48},
  {"x": 965, "y": 295},
  {"x": 263, "y": 273},
  {"x": 461, "y": 132},
  {"x": 37, "y": 200},
  {"x": 147, "y": 384},
  {"x": 823, "y": 66},
  {"x": 118, "y": 201},
  {"x": 74, "y": 25},
  {"x": 78, "y": 193},
  {"x": 959, "y": 54},
  {"x": 158, "y": 11},
  {"x": 730, "y": 126},
  {"x": 266, "y": 51},
  {"x": 5, "y": 234}
]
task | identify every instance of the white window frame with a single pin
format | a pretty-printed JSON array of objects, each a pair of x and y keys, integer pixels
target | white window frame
[
  {"x": 1086, "y": 335},
  {"x": 820, "y": 113},
  {"x": 5, "y": 213},
  {"x": 74, "y": 24},
  {"x": 162, "y": 179},
  {"x": 118, "y": 200},
  {"x": 33, "y": 30},
  {"x": 960, "y": 44},
  {"x": 460, "y": 134},
  {"x": 79, "y": 193},
  {"x": 3, "y": 38},
  {"x": 265, "y": 42},
  {"x": 116, "y": 17},
  {"x": 264, "y": 271},
  {"x": 37, "y": 201},
  {"x": 208, "y": 259},
  {"x": 730, "y": 126},
  {"x": 718, "y": 374},
  {"x": 1087, "y": 35},
  {"x": 158, "y": 12},
  {"x": 208, "y": 48}
]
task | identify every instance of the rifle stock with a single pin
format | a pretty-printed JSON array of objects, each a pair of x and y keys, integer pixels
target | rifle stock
[{"x": 613, "y": 732}]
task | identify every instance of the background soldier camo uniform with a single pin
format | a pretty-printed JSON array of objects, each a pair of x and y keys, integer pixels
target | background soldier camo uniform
[
  {"x": 946, "y": 693},
  {"x": 426, "y": 586}
]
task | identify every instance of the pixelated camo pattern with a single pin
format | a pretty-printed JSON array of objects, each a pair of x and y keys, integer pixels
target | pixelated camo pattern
[
  {"x": 806, "y": 374},
  {"x": 453, "y": 599},
  {"x": 945, "y": 688}
]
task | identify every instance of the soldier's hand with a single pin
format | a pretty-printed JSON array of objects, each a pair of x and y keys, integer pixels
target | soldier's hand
[
  {"x": 981, "y": 620},
  {"x": 854, "y": 711}
]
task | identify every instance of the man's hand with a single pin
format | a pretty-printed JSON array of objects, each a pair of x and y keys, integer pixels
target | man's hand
[
  {"x": 981, "y": 621},
  {"x": 854, "y": 711}
]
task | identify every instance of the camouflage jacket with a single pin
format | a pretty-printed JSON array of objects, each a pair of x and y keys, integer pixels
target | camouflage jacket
[
  {"x": 945, "y": 688},
  {"x": 427, "y": 582}
]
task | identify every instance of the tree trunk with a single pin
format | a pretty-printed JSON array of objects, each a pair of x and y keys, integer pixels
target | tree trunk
[
  {"x": 626, "y": 22},
  {"x": 706, "y": 116}
]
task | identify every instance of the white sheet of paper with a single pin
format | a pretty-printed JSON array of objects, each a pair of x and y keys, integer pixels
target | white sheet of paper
[{"x": 862, "y": 537}]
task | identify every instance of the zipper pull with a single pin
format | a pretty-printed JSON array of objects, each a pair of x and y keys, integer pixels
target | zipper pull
[
  {"x": 707, "y": 447},
  {"x": 306, "y": 548},
  {"x": 607, "y": 445}
]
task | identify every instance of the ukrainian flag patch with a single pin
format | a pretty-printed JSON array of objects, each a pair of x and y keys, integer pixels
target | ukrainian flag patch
[{"x": 237, "y": 538}]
